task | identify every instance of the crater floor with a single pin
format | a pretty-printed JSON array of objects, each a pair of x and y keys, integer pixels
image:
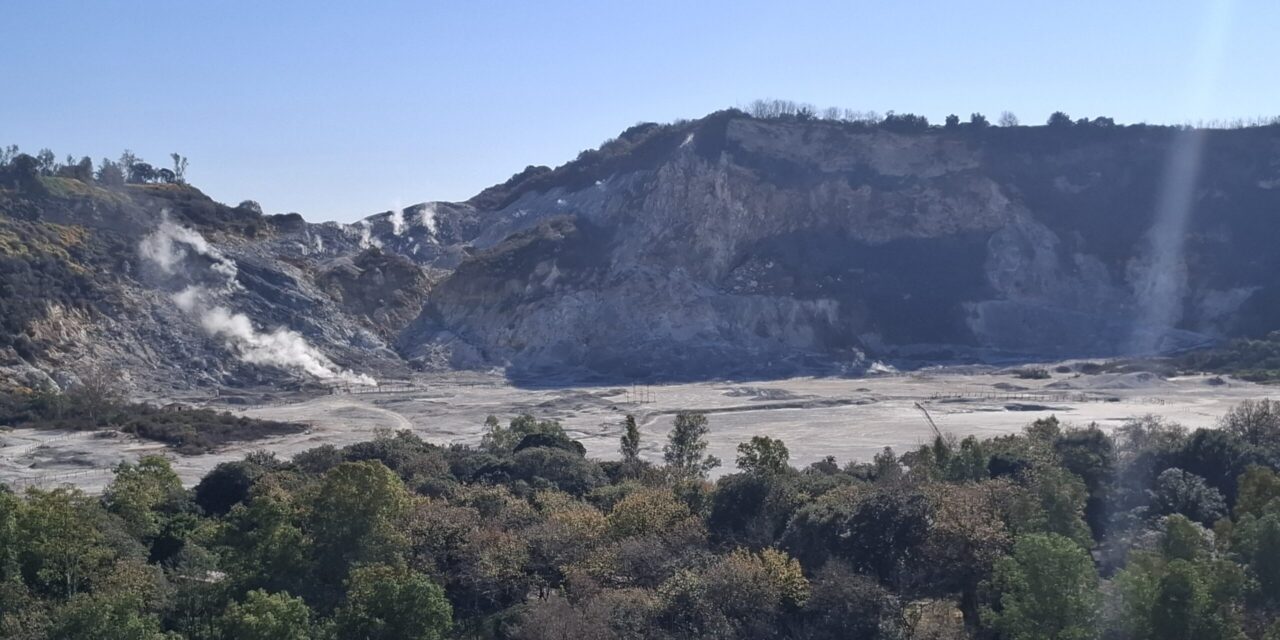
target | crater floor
[{"x": 849, "y": 418}]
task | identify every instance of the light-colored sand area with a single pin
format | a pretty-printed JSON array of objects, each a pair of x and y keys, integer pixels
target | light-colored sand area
[{"x": 851, "y": 419}]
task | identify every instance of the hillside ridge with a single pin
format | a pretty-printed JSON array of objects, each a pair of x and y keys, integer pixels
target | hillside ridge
[{"x": 724, "y": 246}]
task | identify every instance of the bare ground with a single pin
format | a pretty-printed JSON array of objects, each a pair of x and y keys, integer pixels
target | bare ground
[{"x": 850, "y": 419}]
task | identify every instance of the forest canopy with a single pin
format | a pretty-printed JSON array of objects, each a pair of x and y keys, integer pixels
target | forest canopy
[{"x": 1150, "y": 531}]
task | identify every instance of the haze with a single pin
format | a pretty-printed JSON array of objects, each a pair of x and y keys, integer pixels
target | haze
[{"x": 339, "y": 112}]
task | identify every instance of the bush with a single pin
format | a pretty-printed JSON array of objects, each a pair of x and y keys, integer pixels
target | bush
[
  {"x": 1032, "y": 373},
  {"x": 227, "y": 485},
  {"x": 549, "y": 467},
  {"x": 189, "y": 430},
  {"x": 197, "y": 431}
]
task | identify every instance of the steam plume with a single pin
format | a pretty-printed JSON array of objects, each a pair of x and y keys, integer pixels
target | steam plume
[
  {"x": 428, "y": 218},
  {"x": 366, "y": 236},
  {"x": 282, "y": 348},
  {"x": 168, "y": 247},
  {"x": 397, "y": 219}
]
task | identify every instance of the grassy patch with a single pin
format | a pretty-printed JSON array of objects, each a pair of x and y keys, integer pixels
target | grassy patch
[
  {"x": 189, "y": 430},
  {"x": 194, "y": 431},
  {"x": 40, "y": 238},
  {"x": 1253, "y": 360},
  {"x": 71, "y": 189}
]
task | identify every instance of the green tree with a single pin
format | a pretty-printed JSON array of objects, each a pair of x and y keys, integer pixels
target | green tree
[
  {"x": 1273, "y": 632},
  {"x": 122, "y": 608},
  {"x": 1046, "y": 590},
  {"x": 685, "y": 453},
  {"x": 968, "y": 463},
  {"x": 1090, "y": 454},
  {"x": 1257, "y": 487},
  {"x": 109, "y": 174},
  {"x": 503, "y": 440},
  {"x": 545, "y": 467},
  {"x": 630, "y": 444},
  {"x": 24, "y": 170},
  {"x": 1255, "y": 421},
  {"x": 1056, "y": 500},
  {"x": 46, "y": 162},
  {"x": 845, "y": 605},
  {"x": 1059, "y": 119},
  {"x": 884, "y": 532},
  {"x": 1183, "y": 539},
  {"x": 141, "y": 492},
  {"x": 97, "y": 395},
  {"x": 1174, "y": 598},
  {"x": 388, "y": 603},
  {"x": 1183, "y": 610},
  {"x": 179, "y": 167},
  {"x": 81, "y": 170},
  {"x": 126, "y": 162},
  {"x": 227, "y": 485},
  {"x": 878, "y": 530},
  {"x": 1257, "y": 542},
  {"x": 141, "y": 173},
  {"x": 10, "y": 534},
  {"x": 356, "y": 515},
  {"x": 265, "y": 544},
  {"x": 490, "y": 573},
  {"x": 268, "y": 616},
  {"x": 1180, "y": 492},
  {"x": 63, "y": 549},
  {"x": 752, "y": 509},
  {"x": 743, "y": 595},
  {"x": 645, "y": 511},
  {"x": 1217, "y": 456},
  {"x": 101, "y": 617},
  {"x": 763, "y": 454},
  {"x": 887, "y": 466}
]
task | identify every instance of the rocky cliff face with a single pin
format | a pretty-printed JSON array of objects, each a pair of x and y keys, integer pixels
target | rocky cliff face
[
  {"x": 757, "y": 247},
  {"x": 723, "y": 246},
  {"x": 225, "y": 297}
]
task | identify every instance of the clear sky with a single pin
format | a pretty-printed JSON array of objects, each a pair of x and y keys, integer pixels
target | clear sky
[{"x": 339, "y": 110}]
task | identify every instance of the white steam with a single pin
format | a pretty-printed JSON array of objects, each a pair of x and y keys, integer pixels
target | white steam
[
  {"x": 427, "y": 216},
  {"x": 283, "y": 347},
  {"x": 366, "y": 236},
  {"x": 397, "y": 219},
  {"x": 168, "y": 246}
]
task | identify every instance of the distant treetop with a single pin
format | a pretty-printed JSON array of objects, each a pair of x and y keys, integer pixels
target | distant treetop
[{"x": 24, "y": 169}]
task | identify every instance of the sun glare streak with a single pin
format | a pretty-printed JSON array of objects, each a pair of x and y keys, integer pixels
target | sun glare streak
[{"x": 1162, "y": 285}]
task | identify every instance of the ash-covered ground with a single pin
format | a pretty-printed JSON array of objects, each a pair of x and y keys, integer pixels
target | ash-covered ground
[{"x": 849, "y": 418}]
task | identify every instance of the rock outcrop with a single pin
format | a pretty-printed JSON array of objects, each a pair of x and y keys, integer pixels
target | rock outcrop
[
  {"x": 723, "y": 246},
  {"x": 736, "y": 245}
]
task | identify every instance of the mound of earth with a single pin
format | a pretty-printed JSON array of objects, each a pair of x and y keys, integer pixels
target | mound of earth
[{"x": 1109, "y": 381}]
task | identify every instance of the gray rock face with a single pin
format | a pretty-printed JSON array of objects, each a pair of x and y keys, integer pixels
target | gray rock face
[
  {"x": 720, "y": 247},
  {"x": 276, "y": 309},
  {"x": 775, "y": 246}
]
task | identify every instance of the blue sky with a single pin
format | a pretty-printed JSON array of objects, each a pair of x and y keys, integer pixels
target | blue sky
[{"x": 339, "y": 110}]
